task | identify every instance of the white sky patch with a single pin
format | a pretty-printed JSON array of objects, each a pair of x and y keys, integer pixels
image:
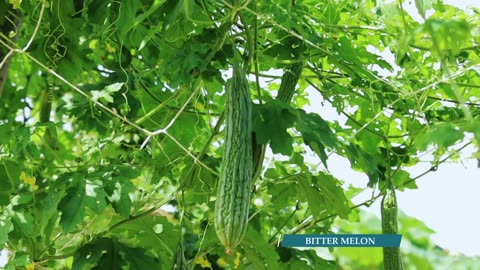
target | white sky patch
[{"x": 446, "y": 199}]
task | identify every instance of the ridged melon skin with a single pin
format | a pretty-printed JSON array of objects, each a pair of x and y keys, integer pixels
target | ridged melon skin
[
  {"x": 233, "y": 193},
  {"x": 391, "y": 255}
]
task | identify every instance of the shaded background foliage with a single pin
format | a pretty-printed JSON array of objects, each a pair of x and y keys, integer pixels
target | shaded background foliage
[{"x": 113, "y": 109}]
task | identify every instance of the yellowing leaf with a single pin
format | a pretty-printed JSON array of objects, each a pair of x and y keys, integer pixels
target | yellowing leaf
[
  {"x": 237, "y": 261},
  {"x": 204, "y": 263},
  {"x": 110, "y": 49},
  {"x": 136, "y": 181},
  {"x": 222, "y": 263},
  {"x": 30, "y": 266},
  {"x": 29, "y": 180},
  {"x": 15, "y": 3},
  {"x": 199, "y": 106}
]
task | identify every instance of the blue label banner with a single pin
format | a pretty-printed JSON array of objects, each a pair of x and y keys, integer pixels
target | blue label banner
[{"x": 341, "y": 240}]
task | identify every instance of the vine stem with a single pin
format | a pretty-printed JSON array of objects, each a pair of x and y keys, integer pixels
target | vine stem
[
  {"x": 151, "y": 209},
  {"x": 195, "y": 158},
  {"x": 216, "y": 130},
  {"x": 363, "y": 126},
  {"x": 435, "y": 166},
  {"x": 141, "y": 214},
  {"x": 78, "y": 90},
  {"x": 25, "y": 48},
  {"x": 114, "y": 113},
  {"x": 37, "y": 27},
  {"x": 164, "y": 130},
  {"x": 310, "y": 222},
  {"x": 297, "y": 207}
]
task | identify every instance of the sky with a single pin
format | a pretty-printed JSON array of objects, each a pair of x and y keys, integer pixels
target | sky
[{"x": 446, "y": 200}]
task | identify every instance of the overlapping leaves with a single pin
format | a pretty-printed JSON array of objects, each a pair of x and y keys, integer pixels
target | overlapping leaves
[{"x": 143, "y": 59}]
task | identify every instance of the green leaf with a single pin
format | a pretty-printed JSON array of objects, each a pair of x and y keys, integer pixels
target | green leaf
[
  {"x": 138, "y": 258},
  {"x": 101, "y": 96},
  {"x": 332, "y": 15},
  {"x": 402, "y": 180},
  {"x": 359, "y": 159},
  {"x": 423, "y": 6},
  {"x": 12, "y": 173},
  {"x": 272, "y": 173},
  {"x": 316, "y": 261},
  {"x": 316, "y": 133},
  {"x": 282, "y": 193},
  {"x": 4, "y": 197},
  {"x": 72, "y": 207},
  {"x": 258, "y": 251},
  {"x": 5, "y": 181},
  {"x": 126, "y": 17},
  {"x": 95, "y": 196},
  {"x": 120, "y": 198},
  {"x": 22, "y": 199},
  {"x": 87, "y": 256},
  {"x": 6, "y": 185},
  {"x": 474, "y": 127},
  {"x": 314, "y": 197},
  {"x": 15, "y": 3},
  {"x": 111, "y": 259},
  {"x": 359, "y": 56},
  {"x": 48, "y": 206},
  {"x": 6, "y": 226},
  {"x": 442, "y": 134},
  {"x": 24, "y": 224},
  {"x": 449, "y": 35},
  {"x": 105, "y": 95},
  {"x": 333, "y": 193},
  {"x": 98, "y": 12},
  {"x": 112, "y": 88},
  {"x": 21, "y": 258},
  {"x": 145, "y": 232},
  {"x": 270, "y": 123}
]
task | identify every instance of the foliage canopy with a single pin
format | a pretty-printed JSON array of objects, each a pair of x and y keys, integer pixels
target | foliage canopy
[{"x": 111, "y": 117}]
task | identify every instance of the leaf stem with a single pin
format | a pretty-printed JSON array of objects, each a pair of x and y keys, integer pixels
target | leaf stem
[
  {"x": 370, "y": 201},
  {"x": 297, "y": 207}
]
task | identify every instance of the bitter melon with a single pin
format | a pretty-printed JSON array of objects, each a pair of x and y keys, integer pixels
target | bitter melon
[{"x": 233, "y": 193}]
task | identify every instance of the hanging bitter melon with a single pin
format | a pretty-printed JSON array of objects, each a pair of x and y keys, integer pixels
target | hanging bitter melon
[
  {"x": 233, "y": 193},
  {"x": 391, "y": 255}
]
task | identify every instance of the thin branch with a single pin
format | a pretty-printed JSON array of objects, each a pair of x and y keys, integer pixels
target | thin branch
[
  {"x": 78, "y": 90},
  {"x": 363, "y": 126},
  {"x": 444, "y": 80},
  {"x": 415, "y": 46},
  {"x": 35, "y": 31},
  {"x": 255, "y": 55},
  {"x": 216, "y": 130},
  {"x": 374, "y": 198},
  {"x": 195, "y": 158},
  {"x": 164, "y": 130},
  {"x": 434, "y": 167},
  {"x": 455, "y": 101},
  {"x": 315, "y": 221},
  {"x": 297, "y": 207},
  {"x": 140, "y": 215},
  {"x": 55, "y": 257}
]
